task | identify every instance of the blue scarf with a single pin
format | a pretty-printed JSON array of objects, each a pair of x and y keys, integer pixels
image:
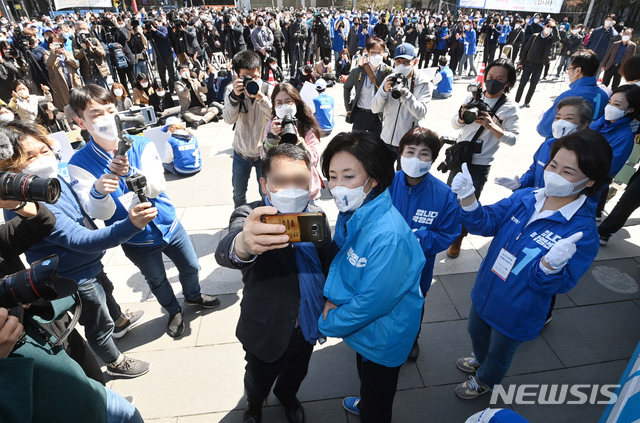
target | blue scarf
[{"x": 311, "y": 281}]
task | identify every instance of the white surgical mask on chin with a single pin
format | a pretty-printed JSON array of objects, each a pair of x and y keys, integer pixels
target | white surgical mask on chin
[
  {"x": 286, "y": 109},
  {"x": 349, "y": 199},
  {"x": 612, "y": 113},
  {"x": 557, "y": 186},
  {"x": 561, "y": 128},
  {"x": 414, "y": 167},
  {"x": 291, "y": 200},
  {"x": 105, "y": 127},
  {"x": 43, "y": 167}
]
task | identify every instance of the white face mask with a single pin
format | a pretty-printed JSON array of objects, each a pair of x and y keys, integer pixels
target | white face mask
[
  {"x": 43, "y": 167},
  {"x": 285, "y": 109},
  {"x": 575, "y": 31},
  {"x": 292, "y": 200},
  {"x": 557, "y": 186},
  {"x": 612, "y": 113},
  {"x": 626, "y": 38},
  {"x": 375, "y": 60},
  {"x": 516, "y": 26},
  {"x": 403, "y": 69},
  {"x": 144, "y": 84},
  {"x": 567, "y": 78},
  {"x": 431, "y": 25},
  {"x": 118, "y": 92},
  {"x": 414, "y": 167},
  {"x": 349, "y": 199},
  {"x": 105, "y": 127},
  {"x": 160, "y": 93},
  {"x": 607, "y": 24},
  {"x": 466, "y": 27},
  {"x": 6, "y": 117},
  {"x": 536, "y": 20},
  {"x": 546, "y": 31},
  {"x": 272, "y": 26},
  {"x": 185, "y": 75},
  {"x": 561, "y": 128}
]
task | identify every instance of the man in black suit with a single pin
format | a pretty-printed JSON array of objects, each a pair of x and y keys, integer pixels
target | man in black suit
[{"x": 278, "y": 324}]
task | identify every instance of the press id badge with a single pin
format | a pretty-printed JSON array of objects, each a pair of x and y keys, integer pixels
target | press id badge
[
  {"x": 503, "y": 265},
  {"x": 129, "y": 200}
]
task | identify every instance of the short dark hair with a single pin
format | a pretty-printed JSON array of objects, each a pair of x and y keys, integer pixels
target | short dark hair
[
  {"x": 421, "y": 136},
  {"x": 373, "y": 42},
  {"x": 289, "y": 151},
  {"x": 594, "y": 155},
  {"x": 82, "y": 96},
  {"x": 631, "y": 68},
  {"x": 587, "y": 60},
  {"x": 371, "y": 152},
  {"x": 442, "y": 61},
  {"x": 511, "y": 71},
  {"x": 246, "y": 59},
  {"x": 632, "y": 94}
]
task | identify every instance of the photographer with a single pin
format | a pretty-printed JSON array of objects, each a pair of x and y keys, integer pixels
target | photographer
[
  {"x": 34, "y": 55},
  {"x": 250, "y": 113},
  {"x": 80, "y": 245},
  {"x": 262, "y": 39},
  {"x": 138, "y": 44},
  {"x": 12, "y": 68},
  {"x": 159, "y": 34},
  {"x": 491, "y": 31},
  {"x": 289, "y": 109},
  {"x": 282, "y": 295},
  {"x": 96, "y": 179},
  {"x": 366, "y": 80},
  {"x": 192, "y": 96},
  {"x": 298, "y": 33},
  {"x": 406, "y": 106},
  {"x": 122, "y": 35},
  {"x": 89, "y": 51},
  {"x": 489, "y": 129},
  {"x": 233, "y": 36}
]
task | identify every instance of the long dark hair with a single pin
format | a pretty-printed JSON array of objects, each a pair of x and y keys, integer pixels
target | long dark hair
[{"x": 306, "y": 121}]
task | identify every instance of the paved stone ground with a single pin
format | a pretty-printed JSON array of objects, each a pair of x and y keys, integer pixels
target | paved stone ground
[{"x": 198, "y": 378}]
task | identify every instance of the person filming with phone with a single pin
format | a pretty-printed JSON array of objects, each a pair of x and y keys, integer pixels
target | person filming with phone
[{"x": 283, "y": 282}]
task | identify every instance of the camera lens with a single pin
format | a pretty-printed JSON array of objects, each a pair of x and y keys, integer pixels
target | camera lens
[
  {"x": 315, "y": 227},
  {"x": 21, "y": 187},
  {"x": 470, "y": 115}
]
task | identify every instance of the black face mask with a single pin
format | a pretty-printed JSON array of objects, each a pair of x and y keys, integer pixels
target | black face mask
[{"x": 494, "y": 86}]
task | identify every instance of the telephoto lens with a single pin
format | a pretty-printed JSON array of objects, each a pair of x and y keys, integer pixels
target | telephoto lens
[
  {"x": 289, "y": 134},
  {"x": 251, "y": 85},
  {"x": 40, "y": 282},
  {"x": 23, "y": 187}
]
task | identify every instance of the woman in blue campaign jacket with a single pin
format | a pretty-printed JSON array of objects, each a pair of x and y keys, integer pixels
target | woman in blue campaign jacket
[
  {"x": 373, "y": 292},
  {"x": 182, "y": 155},
  {"x": 572, "y": 114},
  {"x": 544, "y": 241},
  {"x": 427, "y": 204}
]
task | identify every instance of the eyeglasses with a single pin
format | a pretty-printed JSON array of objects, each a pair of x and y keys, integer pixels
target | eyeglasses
[{"x": 288, "y": 102}]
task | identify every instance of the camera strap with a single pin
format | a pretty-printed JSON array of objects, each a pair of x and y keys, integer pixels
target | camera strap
[
  {"x": 369, "y": 73},
  {"x": 501, "y": 101}
]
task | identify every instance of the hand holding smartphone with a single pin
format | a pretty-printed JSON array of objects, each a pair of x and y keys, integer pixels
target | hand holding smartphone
[{"x": 301, "y": 227}]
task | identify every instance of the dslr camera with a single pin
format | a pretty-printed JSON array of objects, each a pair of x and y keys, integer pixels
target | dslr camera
[
  {"x": 399, "y": 83},
  {"x": 289, "y": 135},
  {"x": 476, "y": 106},
  {"x": 250, "y": 85},
  {"x": 24, "y": 187}
]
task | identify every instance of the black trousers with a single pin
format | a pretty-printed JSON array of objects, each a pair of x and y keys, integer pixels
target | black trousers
[
  {"x": 436, "y": 56},
  {"x": 627, "y": 204},
  {"x": 290, "y": 370},
  {"x": 425, "y": 58},
  {"x": 479, "y": 175},
  {"x": 489, "y": 53},
  {"x": 530, "y": 73},
  {"x": 455, "y": 60},
  {"x": 612, "y": 73},
  {"x": 514, "y": 53},
  {"x": 165, "y": 64},
  {"x": 125, "y": 73},
  {"x": 377, "y": 389},
  {"x": 365, "y": 120}
]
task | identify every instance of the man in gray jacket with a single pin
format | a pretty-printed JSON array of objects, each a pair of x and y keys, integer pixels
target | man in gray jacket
[
  {"x": 410, "y": 108},
  {"x": 262, "y": 39},
  {"x": 359, "y": 109}
]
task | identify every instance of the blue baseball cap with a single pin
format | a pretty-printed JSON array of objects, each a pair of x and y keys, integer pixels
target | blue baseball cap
[{"x": 405, "y": 51}]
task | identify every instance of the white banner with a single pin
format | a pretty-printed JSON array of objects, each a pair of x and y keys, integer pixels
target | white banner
[
  {"x": 84, "y": 4},
  {"x": 539, "y": 6}
]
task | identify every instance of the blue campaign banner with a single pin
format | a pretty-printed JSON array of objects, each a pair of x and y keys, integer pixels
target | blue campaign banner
[{"x": 540, "y": 6}]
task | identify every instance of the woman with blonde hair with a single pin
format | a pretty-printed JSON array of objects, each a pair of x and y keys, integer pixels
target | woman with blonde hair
[{"x": 182, "y": 155}]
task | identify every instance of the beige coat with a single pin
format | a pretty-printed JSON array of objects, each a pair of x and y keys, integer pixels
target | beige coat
[
  {"x": 58, "y": 81},
  {"x": 98, "y": 55},
  {"x": 184, "y": 93}
]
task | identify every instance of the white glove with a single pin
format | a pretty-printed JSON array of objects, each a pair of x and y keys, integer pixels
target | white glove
[
  {"x": 462, "y": 184},
  {"x": 559, "y": 255},
  {"x": 512, "y": 184}
]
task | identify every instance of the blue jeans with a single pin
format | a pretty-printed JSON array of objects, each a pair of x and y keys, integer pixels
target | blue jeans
[
  {"x": 97, "y": 319},
  {"x": 565, "y": 61},
  {"x": 437, "y": 94},
  {"x": 240, "y": 173},
  {"x": 181, "y": 252},
  {"x": 465, "y": 58},
  {"x": 493, "y": 350},
  {"x": 119, "y": 410},
  {"x": 140, "y": 67}
]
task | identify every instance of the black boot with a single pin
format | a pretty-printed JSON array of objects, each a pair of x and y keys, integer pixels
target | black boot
[
  {"x": 252, "y": 414},
  {"x": 293, "y": 410},
  {"x": 415, "y": 351}
]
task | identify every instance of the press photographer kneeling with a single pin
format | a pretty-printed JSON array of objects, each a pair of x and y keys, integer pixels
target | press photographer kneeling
[{"x": 486, "y": 119}]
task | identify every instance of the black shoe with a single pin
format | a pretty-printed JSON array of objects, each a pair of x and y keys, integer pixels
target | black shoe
[
  {"x": 205, "y": 301},
  {"x": 294, "y": 411},
  {"x": 252, "y": 414},
  {"x": 415, "y": 351},
  {"x": 194, "y": 125},
  {"x": 215, "y": 119},
  {"x": 201, "y": 122},
  {"x": 175, "y": 327}
]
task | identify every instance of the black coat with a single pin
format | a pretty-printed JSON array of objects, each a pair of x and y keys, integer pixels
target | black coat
[
  {"x": 278, "y": 39},
  {"x": 271, "y": 295},
  {"x": 234, "y": 39},
  {"x": 515, "y": 37},
  {"x": 298, "y": 28}
]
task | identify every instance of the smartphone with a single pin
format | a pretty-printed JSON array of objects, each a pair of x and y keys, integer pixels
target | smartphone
[
  {"x": 56, "y": 46},
  {"x": 301, "y": 227}
]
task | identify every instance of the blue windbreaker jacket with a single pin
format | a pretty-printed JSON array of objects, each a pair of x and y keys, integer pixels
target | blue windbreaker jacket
[
  {"x": 586, "y": 88},
  {"x": 470, "y": 42},
  {"x": 518, "y": 307},
  {"x": 441, "y": 43},
  {"x": 620, "y": 137},
  {"x": 375, "y": 282},
  {"x": 534, "y": 177},
  {"x": 431, "y": 209}
]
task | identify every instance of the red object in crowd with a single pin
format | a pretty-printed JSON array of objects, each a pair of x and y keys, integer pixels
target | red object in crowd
[{"x": 481, "y": 74}]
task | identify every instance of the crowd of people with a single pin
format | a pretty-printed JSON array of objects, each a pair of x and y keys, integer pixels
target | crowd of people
[{"x": 366, "y": 283}]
